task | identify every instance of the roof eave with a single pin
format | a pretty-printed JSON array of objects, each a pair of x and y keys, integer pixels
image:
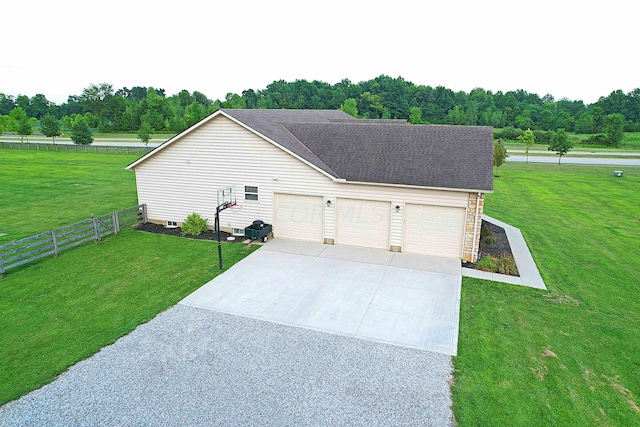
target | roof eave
[{"x": 422, "y": 187}]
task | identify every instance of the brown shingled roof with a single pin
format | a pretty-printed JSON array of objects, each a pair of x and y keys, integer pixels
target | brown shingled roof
[{"x": 380, "y": 151}]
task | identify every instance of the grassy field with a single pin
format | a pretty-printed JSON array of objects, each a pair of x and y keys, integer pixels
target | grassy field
[
  {"x": 41, "y": 191},
  {"x": 61, "y": 310},
  {"x": 570, "y": 355},
  {"x": 565, "y": 356},
  {"x": 58, "y": 311},
  {"x": 630, "y": 142}
]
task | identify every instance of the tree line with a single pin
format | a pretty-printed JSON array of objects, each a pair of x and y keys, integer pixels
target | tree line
[{"x": 147, "y": 110}]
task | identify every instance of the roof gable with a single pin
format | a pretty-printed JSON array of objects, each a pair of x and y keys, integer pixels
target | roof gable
[{"x": 371, "y": 151}]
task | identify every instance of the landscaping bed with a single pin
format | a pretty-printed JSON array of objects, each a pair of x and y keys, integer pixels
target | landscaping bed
[
  {"x": 494, "y": 251},
  {"x": 207, "y": 235}
]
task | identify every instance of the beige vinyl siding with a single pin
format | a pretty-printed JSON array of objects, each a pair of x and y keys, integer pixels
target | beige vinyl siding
[
  {"x": 329, "y": 219},
  {"x": 183, "y": 178},
  {"x": 397, "y": 224}
]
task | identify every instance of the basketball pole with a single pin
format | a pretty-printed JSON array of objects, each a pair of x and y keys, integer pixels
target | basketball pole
[
  {"x": 218, "y": 230},
  {"x": 226, "y": 198}
]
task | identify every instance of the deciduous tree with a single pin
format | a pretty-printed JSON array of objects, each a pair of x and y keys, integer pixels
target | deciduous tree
[
  {"x": 415, "y": 116},
  {"x": 194, "y": 113},
  {"x": 560, "y": 143},
  {"x": 614, "y": 128},
  {"x": 145, "y": 132},
  {"x": 499, "y": 154},
  {"x": 349, "y": 107},
  {"x": 528, "y": 138}
]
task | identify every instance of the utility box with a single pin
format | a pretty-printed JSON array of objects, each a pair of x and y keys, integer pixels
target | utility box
[{"x": 617, "y": 173}]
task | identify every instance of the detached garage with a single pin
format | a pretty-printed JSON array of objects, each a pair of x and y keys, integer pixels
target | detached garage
[{"x": 324, "y": 176}]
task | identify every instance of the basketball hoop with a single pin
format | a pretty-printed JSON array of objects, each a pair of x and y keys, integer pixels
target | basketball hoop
[
  {"x": 234, "y": 207},
  {"x": 226, "y": 199}
]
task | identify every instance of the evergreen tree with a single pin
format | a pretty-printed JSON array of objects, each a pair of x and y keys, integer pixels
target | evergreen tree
[
  {"x": 80, "y": 133},
  {"x": 50, "y": 127}
]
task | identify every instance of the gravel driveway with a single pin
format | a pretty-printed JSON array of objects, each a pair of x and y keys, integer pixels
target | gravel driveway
[{"x": 190, "y": 366}]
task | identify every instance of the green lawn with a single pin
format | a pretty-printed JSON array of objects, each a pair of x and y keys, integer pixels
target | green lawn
[
  {"x": 569, "y": 355},
  {"x": 630, "y": 142},
  {"x": 41, "y": 191},
  {"x": 566, "y": 356},
  {"x": 59, "y": 311}
]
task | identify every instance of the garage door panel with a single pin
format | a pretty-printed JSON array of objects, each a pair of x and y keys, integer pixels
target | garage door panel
[
  {"x": 434, "y": 230},
  {"x": 298, "y": 217},
  {"x": 363, "y": 223}
]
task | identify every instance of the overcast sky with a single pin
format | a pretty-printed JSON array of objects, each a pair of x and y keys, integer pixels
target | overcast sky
[{"x": 574, "y": 49}]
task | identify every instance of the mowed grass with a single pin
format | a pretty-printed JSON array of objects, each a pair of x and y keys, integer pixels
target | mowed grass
[
  {"x": 58, "y": 311},
  {"x": 570, "y": 355},
  {"x": 41, "y": 191}
]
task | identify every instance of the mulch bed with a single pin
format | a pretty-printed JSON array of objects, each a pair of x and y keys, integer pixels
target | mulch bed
[
  {"x": 495, "y": 249},
  {"x": 207, "y": 235}
]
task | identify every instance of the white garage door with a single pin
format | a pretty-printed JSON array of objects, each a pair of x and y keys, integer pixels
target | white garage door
[
  {"x": 363, "y": 223},
  {"x": 298, "y": 217},
  {"x": 434, "y": 230}
]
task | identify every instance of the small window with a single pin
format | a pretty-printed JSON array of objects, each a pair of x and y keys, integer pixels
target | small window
[
  {"x": 238, "y": 232},
  {"x": 250, "y": 193},
  {"x": 172, "y": 224}
]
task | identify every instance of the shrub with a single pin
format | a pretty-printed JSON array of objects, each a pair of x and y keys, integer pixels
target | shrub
[
  {"x": 490, "y": 240},
  {"x": 542, "y": 137},
  {"x": 509, "y": 133},
  {"x": 485, "y": 232},
  {"x": 194, "y": 225},
  {"x": 487, "y": 263},
  {"x": 506, "y": 265},
  {"x": 598, "y": 138}
]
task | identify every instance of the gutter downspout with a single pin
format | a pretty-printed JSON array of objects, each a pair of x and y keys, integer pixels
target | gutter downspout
[{"x": 475, "y": 229}]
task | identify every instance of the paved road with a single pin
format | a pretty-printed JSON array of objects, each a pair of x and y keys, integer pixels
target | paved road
[
  {"x": 581, "y": 153},
  {"x": 575, "y": 160}
]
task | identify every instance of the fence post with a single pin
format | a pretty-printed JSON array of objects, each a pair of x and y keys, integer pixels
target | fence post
[
  {"x": 116, "y": 223},
  {"x": 96, "y": 229},
  {"x": 1, "y": 265},
  {"x": 144, "y": 213},
  {"x": 55, "y": 243}
]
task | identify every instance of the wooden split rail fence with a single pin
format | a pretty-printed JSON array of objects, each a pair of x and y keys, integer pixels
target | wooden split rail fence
[
  {"x": 42, "y": 146},
  {"x": 53, "y": 242}
]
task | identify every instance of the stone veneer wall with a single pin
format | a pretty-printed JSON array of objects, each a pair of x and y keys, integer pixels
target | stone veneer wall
[{"x": 470, "y": 248}]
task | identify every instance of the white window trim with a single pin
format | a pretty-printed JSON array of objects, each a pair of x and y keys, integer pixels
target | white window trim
[{"x": 256, "y": 193}]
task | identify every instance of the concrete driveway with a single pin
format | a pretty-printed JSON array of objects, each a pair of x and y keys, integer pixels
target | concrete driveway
[{"x": 397, "y": 298}]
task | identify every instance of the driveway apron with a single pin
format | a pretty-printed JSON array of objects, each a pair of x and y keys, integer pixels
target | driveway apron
[{"x": 396, "y": 298}]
